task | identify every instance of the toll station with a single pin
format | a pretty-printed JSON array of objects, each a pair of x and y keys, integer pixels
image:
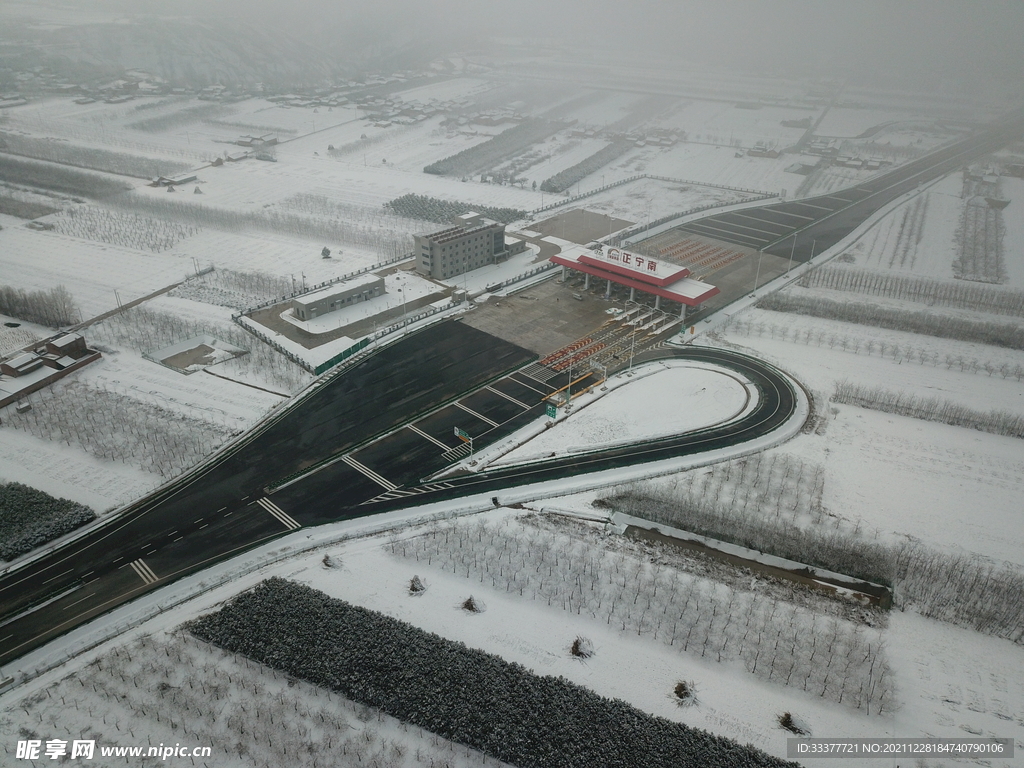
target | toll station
[{"x": 659, "y": 278}]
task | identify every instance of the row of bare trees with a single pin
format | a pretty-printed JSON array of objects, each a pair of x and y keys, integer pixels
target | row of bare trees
[
  {"x": 53, "y": 308},
  {"x": 124, "y": 228},
  {"x": 379, "y": 217},
  {"x": 904, "y": 254},
  {"x": 921, "y": 290},
  {"x": 116, "y": 427},
  {"x": 178, "y": 689},
  {"x": 979, "y": 243},
  {"x": 235, "y": 289},
  {"x": 777, "y": 641},
  {"x": 886, "y": 349},
  {"x": 789, "y": 487},
  {"x": 387, "y": 242},
  {"x": 965, "y": 590},
  {"x": 996, "y": 422},
  {"x": 1009, "y": 335},
  {"x": 97, "y": 159}
]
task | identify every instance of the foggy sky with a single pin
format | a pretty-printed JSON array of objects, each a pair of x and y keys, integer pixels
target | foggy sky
[{"x": 859, "y": 39}]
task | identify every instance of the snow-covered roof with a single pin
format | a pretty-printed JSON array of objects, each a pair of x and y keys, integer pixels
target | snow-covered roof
[
  {"x": 343, "y": 287},
  {"x": 679, "y": 288}
]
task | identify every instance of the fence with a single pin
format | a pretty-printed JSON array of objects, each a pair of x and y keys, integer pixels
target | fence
[
  {"x": 567, "y": 200},
  {"x": 759, "y": 194},
  {"x": 341, "y": 356},
  {"x": 536, "y": 271},
  {"x": 332, "y": 281},
  {"x": 276, "y": 345},
  {"x": 628, "y": 234}
]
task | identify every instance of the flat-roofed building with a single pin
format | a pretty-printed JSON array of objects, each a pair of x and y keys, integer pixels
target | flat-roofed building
[
  {"x": 470, "y": 243},
  {"x": 337, "y": 296}
]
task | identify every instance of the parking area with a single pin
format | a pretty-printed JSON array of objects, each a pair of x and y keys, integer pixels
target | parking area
[
  {"x": 580, "y": 226},
  {"x": 542, "y": 318}
]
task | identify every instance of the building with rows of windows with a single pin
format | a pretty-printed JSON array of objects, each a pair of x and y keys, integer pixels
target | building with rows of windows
[{"x": 470, "y": 243}]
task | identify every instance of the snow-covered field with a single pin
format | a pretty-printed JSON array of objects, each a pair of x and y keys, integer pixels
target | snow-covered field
[
  {"x": 680, "y": 398},
  {"x": 948, "y": 681},
  {"x": 890, "y": 477},
  {"x": 92, "y": 271},
  {"x": 723, "y": 123}
]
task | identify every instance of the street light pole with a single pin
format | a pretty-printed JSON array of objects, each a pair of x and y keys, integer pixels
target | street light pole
[
  {"x": 791, "y": 251},
  {"x": 757, "y": 275}
]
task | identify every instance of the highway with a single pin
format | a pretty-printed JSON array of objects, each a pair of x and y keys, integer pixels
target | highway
[
  {"x": 363, "y": 442},
  {"x": 801, "y": 228},
  {"x": 221, "y": 510},
  {"x": 356, "y": 447}
]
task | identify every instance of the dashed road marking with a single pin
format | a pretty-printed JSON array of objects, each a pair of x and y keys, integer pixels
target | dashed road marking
[
  {"x": 365, "y": 470},
  {"x": 58, "y": 575},
  {"x": 92, "y": 594},
  {"x": 283, "y": 517}
]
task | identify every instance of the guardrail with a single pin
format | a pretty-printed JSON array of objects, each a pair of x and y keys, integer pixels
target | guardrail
[
  {"x": 627, "y": 234},
  {"x": 758, "y": 193},
  {"x": 546, "y": 266}
]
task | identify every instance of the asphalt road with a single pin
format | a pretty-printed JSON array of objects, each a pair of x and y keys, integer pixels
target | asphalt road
[
  {"x": 221, "y": 510},
  {"x": 815, "y": 224},
  {"x": 373, "y": 432},
  {"x": 366, "y": 441},
  {"x": 777, "y": 403}
]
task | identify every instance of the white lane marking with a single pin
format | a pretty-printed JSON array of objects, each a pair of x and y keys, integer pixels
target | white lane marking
[
  {"x": 363, "y": 469},
  {"x": 511, "y": 399},
  {"x": 421, "y": 433},
  {"x": 144, "y": 571},
  {"x": 279, "y": 514},
  {"x": 93, "y": 594},
  {"x": 58, "y": 575},
  {"x": 471, "y": 412}
]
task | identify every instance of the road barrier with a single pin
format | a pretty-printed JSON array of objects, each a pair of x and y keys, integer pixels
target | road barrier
[{"x": 758, "y": 194}]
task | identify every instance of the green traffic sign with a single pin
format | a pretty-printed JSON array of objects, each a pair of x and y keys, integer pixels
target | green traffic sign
[{"x": 552, "y": 411}]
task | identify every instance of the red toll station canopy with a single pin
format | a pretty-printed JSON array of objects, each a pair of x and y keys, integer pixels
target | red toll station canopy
[{"x": 653, "y": 276}]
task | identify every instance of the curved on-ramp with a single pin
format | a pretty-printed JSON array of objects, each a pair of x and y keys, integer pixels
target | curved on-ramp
[{"x": 779, "y": 413}]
